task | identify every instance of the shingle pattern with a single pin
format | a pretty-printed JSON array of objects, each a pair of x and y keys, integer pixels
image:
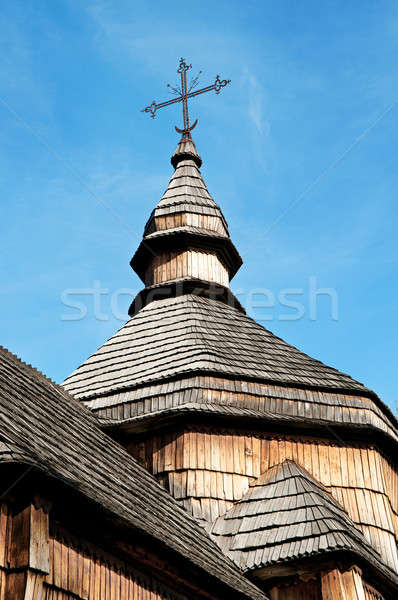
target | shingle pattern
[
  {"x": 286, "y": 515},
  {"x": 45, "y": 427},
  {"x": 189, "y": 333},
  {"x": 186, "y": 191}
]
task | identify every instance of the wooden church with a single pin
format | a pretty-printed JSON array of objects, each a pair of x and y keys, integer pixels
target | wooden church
[{"x": 195, "y": 455}]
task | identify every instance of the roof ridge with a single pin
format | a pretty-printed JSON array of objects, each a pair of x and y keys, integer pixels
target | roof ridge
[{"x": 24, "y": 364}]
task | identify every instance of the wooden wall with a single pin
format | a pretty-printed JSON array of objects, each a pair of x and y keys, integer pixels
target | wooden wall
[
  {"x": 331, "y": 584},
  {"x": 188, "y": 219},
  {"x": 83, "y": 574},
  {"x": 167, "y": 266},
  {"x": 41, "y": 561},
  {"x": 208, "y": 469},
  {"x": 310, "y": 590}
]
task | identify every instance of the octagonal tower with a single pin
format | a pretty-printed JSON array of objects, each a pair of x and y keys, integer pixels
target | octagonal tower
[{"x": 289, "y": 464}]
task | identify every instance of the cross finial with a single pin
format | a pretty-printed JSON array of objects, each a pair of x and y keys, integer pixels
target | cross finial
[{"x": 183, "y": 93}]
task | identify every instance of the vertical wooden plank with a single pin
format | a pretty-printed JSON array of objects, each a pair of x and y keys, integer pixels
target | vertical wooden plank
[
  {"x": 366, "y": 469},
  {"x": 207, "y": 446},
  {"x": 222, "y": 452},
  {"x": 169, "y": 454},
  {"x": 200, "y": 450},
  {"x": 193, "y": 453},
  {"x": 215, "y": 452},
  {"x": 324, "y": 465},
  {"x": 3, "y": 533},
  {"x": 264, "y": 466},
  {"x": 18, "y": 554},
  {"x": 237, "y": 456},
  {"x": 39, "y": 550},
  {"x": 191, "y": 489},
  {"x": 86, "y": 576},
  {"x": 56, "y": 562},
  {"x": 353, "y": 585},
  {"x": 179, "y": 451},
  {"x": 229, "y": 454},
  {"x": 256, "y": 447},
  {"x": 359, "y": 478},
  {"x": 248, "y": 450},
  {"x": 199, "y": 483},
  {"x": 97, "y": 580},
  {"x": 273, "y": 452},
  {"x": 72, "y": 571},
  {"x": 16, "y": 585},
  {"x": 334, "y": 461},
  {"x": 301, "y": 453},
  {"x": 281, "y": 450},
  {"x": 333, "y": 586}
]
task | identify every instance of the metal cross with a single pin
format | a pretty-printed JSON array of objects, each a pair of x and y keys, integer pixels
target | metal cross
[{"x": 183, "y": 94}]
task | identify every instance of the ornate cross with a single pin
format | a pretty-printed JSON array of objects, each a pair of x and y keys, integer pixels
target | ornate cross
[{"x": 183, "y": 94}]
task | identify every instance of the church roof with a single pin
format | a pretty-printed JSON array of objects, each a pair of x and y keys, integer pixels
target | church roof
[
  {"x": 186, "y": 322},
  {"x": 187, "y": 334},
  {"x": 287, "y": 515},
  {"x": 41, "y": 425}
]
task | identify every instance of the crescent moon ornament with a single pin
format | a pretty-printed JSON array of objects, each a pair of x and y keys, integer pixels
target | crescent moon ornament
[{"x": 186, "y": 131}]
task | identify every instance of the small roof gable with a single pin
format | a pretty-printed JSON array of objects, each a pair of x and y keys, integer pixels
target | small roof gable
[
  {"x": 177, "y": 336},
  {"x": 286, "y": 515},
  {"x": 43, "y": 426}
]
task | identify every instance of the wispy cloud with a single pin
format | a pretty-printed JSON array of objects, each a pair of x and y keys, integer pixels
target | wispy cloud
[{"x": 256, "y": 104}]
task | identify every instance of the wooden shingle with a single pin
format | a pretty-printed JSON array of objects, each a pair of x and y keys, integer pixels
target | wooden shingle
[
  {"x": 41, "y": 425},
  {"x": 286, "y": 515}
]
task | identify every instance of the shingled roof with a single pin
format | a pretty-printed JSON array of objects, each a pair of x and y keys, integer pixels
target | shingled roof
[
  {"x": 287, "y": 515},
  {"x": 187, "y": 191},
  {"x": 186, "y": 334},
  {"x": 187, "y": 323},
  {"x": 43, "y": 426},
  {"x": 185, "y": 217}
]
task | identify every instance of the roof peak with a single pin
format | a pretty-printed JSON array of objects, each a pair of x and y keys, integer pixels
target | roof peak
[
  {"x": 186, "y": 150},
  {"x": 277, "y": 521}
]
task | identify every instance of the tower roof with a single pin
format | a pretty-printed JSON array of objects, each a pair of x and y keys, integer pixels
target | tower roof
[
  {"x": 188, "y": 334},
  {"x": 186, "y": 323},
  {"x": 186, "y": 217},
  {"x": 187, "y": 191}
]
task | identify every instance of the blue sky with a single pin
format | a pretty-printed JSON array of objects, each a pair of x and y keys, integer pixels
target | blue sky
[{"x": 300, "y": 151}]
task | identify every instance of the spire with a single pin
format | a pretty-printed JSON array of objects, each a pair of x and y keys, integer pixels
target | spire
[
  {"x": 186, "y": 237},
  {"x": 187, "y": 201},
  {"x": 186, "y": 150}
]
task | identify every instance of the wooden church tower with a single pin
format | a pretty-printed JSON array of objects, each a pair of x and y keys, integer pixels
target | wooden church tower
[
  {"x": 195, "y": 455},
  {"x": 287, "y": 464}
]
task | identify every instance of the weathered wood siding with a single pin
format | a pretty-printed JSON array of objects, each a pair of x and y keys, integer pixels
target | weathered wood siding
[
  {"x": 289, "y": 403},
  {"x": 207, "y": 470},
  {"x": 78, "y": 573},
  {"x": 310, "y": 590},
  {"x": 167, "y": 266},
  {"x": 187, "y": 219},
  {"x": 40, "y": 561},
  {"x": 333, "y": 584}
]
